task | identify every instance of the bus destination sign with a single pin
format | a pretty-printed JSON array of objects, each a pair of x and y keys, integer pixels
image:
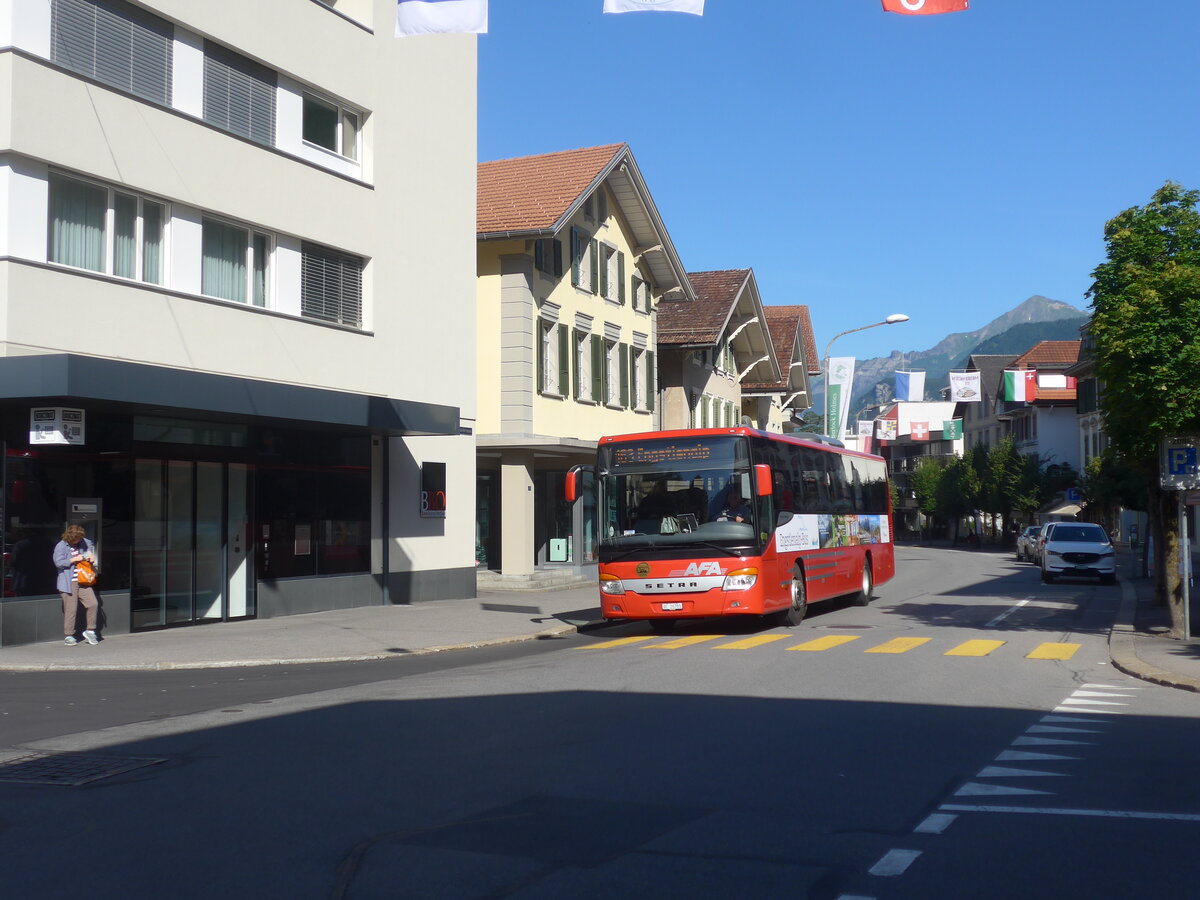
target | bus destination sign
[{"x": 660, "y": 452}]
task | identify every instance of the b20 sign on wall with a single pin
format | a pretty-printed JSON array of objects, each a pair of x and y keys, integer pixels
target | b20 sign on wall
[{"x": 433, "y": 490}]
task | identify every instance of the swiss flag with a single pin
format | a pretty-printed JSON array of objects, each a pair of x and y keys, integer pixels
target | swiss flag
[
  {"x": 920, "y": 431},
  {"x": 1030, "y": 376},
  {"x": 924, "y": 7}
]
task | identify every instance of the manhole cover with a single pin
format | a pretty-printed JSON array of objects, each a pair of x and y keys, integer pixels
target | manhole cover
[{"x": 70, "y": 769}]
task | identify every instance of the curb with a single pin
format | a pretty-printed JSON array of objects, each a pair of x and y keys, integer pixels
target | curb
[
  {"x": 1122, "y": 648},
  {"x": 545, "y": 634}
]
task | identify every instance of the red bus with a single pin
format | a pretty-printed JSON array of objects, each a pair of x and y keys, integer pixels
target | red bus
[{"x": 735, "y": 521}]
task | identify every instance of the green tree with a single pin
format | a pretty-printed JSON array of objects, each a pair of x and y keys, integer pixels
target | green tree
[
  {"x": 1146, "y": 306},
  {"x": 1015, "y": 480},
  {"x": 925, "y": 480},
  {"x": 957, "y": 491}
]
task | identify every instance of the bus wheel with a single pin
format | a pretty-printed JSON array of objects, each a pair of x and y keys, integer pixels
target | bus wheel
[
  {"x": 663, "y": 626},
  {"x": 863, "y": 597},
  {"x": 794, "y": 615}
]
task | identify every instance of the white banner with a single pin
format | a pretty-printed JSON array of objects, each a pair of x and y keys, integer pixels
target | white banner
[
  {"x": 964, "y": 387},
  {"x": 695, "y": 7},
  {"x": 838, "y": 388},
  {"x": 441, "y": 17},
  {"x": 910, "y": 386}
]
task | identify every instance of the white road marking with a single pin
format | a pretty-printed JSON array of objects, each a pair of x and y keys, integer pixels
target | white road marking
[
  {"x": 1048, "y": 742},
  {"x": 936, "y": 823},
  {"x": 1060, "y": 729},
  {"x": 1101, "y": 694},
  {"x": 1026, "y": 756},
  {"x": 893, "y": 863},
  {"x": 1002, "y": 772},
  {"x": 1008, "y": 612},
  {"x": 974, "y": 789},
  {"x": 1114, "y": 687},
  {"x": 1095, "y": 813},
  {"x": 1087, "y": 704},
  {"x": 1090, "y": 710}
]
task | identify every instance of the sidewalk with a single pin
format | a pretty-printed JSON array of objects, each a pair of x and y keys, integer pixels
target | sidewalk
[
  {"x": 1138, "y": 643},
  {"x": 366, "y": 633}
]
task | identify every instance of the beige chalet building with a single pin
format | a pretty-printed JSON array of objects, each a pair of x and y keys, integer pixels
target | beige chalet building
[
  {"x": 573, "y": 260},
  {"x": 709, "y": 345},
  {"x": 769, "y": 405}
]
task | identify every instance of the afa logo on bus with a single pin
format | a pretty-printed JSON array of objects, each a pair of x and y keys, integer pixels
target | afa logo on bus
[{"x": 701, "y": 568}]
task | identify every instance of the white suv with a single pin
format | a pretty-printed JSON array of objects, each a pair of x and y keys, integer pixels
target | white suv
[{"x": 1078, "y": 549}]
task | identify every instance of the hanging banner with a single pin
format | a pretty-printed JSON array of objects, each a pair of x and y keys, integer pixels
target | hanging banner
[
  {"x": 919, "y": 431},
  {"x": 837, "y": 393},
  {"x": 866, "y": 427},
  {"x": 925, "y": 7},
  {"x": 964, "y": 387},
  {"x": 952, "y": 429},
  {"x": 695, "y": 7},
  {"x": 910, "y": 386},
  {"x": 1020, "y": 385},
  {"x": 441, "y": 17},
  {"x": 885, "y": 429}
]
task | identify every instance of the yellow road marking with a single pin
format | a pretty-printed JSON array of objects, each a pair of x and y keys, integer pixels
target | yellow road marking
[
  {"x": 1054, "y": 651},
  {"x": 619, "y": 642},
  {"x": 975, "y": 648},
  {"x": 748, "y": 643},
  {"x": 899, "y": 645},
  {"x": 827, "y": 643},
  {"x": 685, "y": 641}
]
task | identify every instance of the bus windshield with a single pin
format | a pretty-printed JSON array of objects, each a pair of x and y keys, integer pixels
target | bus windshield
[{"x": 677, "y": 491}]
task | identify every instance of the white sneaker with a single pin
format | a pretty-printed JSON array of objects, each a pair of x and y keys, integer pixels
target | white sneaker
[
  {"x": 90, "y": 637},
  {"x": 70, "y": 639}
]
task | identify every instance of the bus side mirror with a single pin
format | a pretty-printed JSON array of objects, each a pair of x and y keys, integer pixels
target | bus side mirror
[
  {"x": 763, "y": 485},
  {"x": 571, "y": 486}
]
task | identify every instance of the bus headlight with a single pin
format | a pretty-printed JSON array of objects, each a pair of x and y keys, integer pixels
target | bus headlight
[
  {"x": 740, "y": 580},
  {"x": 611, "y": 584}
]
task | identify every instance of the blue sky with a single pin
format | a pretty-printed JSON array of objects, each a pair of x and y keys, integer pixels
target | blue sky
[{"x": 865, "y": 163}]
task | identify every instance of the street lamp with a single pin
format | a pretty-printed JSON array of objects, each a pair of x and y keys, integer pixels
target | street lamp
[{"x": 894, "y": 319}]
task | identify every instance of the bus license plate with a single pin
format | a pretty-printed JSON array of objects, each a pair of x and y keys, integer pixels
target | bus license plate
[{"x": 669, "y": 607}]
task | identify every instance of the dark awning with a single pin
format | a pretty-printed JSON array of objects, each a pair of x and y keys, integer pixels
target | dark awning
[{"x": 68, "y": 379}]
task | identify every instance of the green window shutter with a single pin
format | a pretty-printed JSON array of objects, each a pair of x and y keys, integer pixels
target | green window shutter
[
  {"x": 540, "y": 350},
  {"x": 576, "y": 256},
  {"x": 575, "y": 363},
  {"x": 564, "y": 360},
  {"x": 650, "y": 380},
  {"x": 623, "y": 355},
  {"x": 558, "y": 260},
  {"x": 604, "y": 255},
  {"x": 703, "y": 412},
  {"x": 621, "y": 277},
  {"x": 594, "y": 251},
  {"x": 598, "y": 375}
]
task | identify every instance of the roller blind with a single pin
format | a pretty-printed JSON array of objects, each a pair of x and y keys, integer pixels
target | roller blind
[
  {"x": 115, "y": 43},
  {"x": 330, "y": 285},
  {"x": 239, "y": 94}
]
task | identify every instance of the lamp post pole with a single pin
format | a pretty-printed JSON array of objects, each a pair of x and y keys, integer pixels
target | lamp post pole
[{"x": 893, "y": 319}]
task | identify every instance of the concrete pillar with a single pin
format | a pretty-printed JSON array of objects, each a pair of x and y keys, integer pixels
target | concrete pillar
[{"x": 516, "y": 514}]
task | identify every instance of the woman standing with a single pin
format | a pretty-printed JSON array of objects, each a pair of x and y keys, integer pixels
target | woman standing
[{"x": 73, "y": 548}]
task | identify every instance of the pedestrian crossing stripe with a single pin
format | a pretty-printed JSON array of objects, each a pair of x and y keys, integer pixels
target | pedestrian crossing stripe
[
  {"x": 1054, "y": 651},
  {"x": 752, "y": 642},
  {"x": 686, "y": 641},
  {"x": 975, "y": 648},
  {"x": 619, "y": 642},
  {"x": 899, "y": 645},
  {"x": 826, "y": 643}
]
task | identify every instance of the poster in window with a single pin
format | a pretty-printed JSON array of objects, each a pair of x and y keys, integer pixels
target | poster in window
[{"x": 433, "y": 490}]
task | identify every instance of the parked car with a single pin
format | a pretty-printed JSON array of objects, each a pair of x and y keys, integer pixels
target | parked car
[
  {"x": 1025, "y": 542},
  {"x": 1078, "y": 549},
  {"x": 1039, "y": 541}
]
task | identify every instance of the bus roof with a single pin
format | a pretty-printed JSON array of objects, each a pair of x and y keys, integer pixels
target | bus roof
[{"x": 736, "y": 430}]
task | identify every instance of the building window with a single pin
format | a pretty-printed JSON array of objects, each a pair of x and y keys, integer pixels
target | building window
[
  {"x": 239, "y": 94},
  {"x": 640, "y": 289},
  {"x": 587, "y": 367},
  {"x": 612, "y": 274},
  {"x": 332, "y": 126},
  {"x": 235, "y": 263},
  {"x": 583, "y": 261},
  {"x": 547, "y": 257},
  {"x": 612, "y": 373},
  {"x": 553, "y": 358},
  {"x": 104, "y": 230},
  {"x": 115, "y": 43},
  {"x": 330, "y": 285}
]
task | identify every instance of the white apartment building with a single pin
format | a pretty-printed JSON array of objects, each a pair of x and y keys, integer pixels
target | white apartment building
[{"x": 236, "y": 245}]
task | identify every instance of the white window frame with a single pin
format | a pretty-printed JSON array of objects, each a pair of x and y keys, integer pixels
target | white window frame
[
  {"x": 342, "y": 111},
  {"x": 612, "y": 369},
  {"x": 583, "y": 361},
  {"x": 637, "y": 379},
  {"x": 609, "y": 259},
  {"x": 110, "y": 230},
  {"x": 548, "y": 340},
  {"x": 251, "y": 233}
]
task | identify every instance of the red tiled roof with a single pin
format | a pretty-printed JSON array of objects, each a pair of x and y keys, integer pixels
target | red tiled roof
[
  {"x": 1049, "y": 354},
  {"x": 531, "y": 193},
  {"x": 784, "y": 322},
  {"x": 700, "y": 321}
]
